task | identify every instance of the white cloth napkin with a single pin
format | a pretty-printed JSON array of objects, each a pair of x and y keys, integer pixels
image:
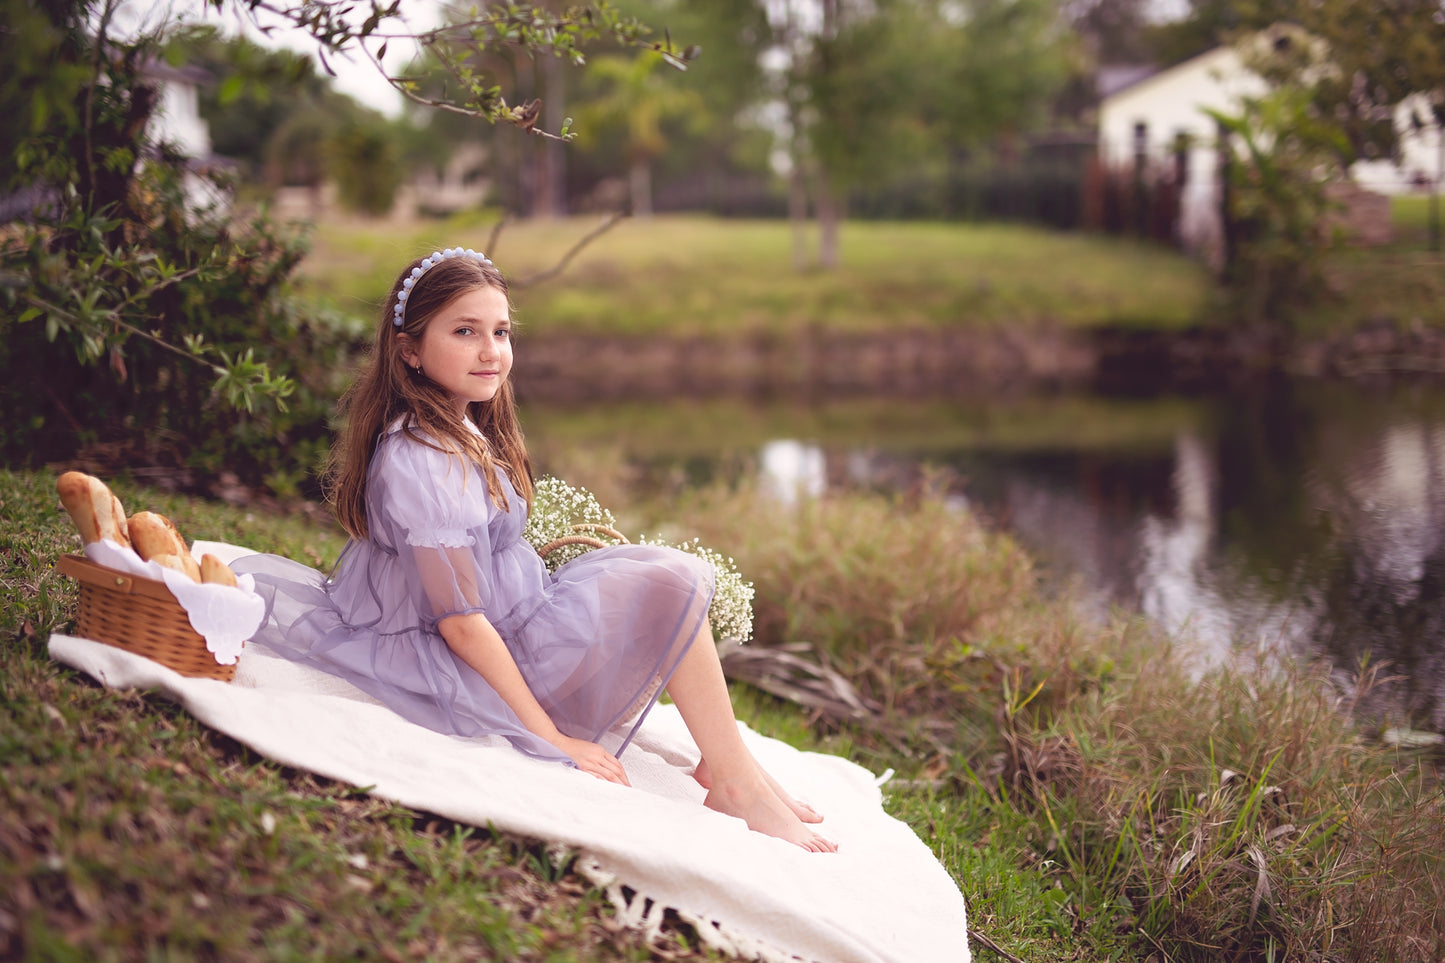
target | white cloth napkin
[{"x": 225, "y": 616}]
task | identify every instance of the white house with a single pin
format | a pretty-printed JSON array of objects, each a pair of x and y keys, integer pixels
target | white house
[
  {"x": 177, "y": 116},
  {"x": 177, "y": 120},
  {"x": 1421, "y": 165},
  {"x": 1159, "y": 120}
]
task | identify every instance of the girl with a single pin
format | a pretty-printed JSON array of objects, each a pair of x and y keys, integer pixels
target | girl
[{"x": 439, "y": 608}]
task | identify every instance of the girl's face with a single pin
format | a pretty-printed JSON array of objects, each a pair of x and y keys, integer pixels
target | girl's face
[{"x": 466, "y": 347}]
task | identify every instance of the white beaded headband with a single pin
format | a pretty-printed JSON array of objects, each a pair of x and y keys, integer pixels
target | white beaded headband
[{"x": 398, "y": 312}]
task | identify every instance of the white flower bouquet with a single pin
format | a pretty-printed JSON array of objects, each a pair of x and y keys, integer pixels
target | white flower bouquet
[{"x": 564, "y": 522}]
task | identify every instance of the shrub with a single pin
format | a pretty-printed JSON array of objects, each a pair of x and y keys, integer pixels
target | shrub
[{"x": 146, "y": 323}]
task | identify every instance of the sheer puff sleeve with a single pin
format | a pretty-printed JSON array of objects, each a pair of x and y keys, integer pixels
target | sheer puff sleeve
[{"x": 431, "y": 508}]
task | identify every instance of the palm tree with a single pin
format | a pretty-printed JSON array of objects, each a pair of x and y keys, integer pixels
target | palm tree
[{"x": 639, "y": 102}]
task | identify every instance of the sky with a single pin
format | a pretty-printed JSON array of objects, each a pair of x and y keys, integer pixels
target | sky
[{"x": 355, "y": 74}]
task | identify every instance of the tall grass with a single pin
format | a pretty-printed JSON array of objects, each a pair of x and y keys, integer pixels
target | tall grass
[{"x": 1240, "y": 815}]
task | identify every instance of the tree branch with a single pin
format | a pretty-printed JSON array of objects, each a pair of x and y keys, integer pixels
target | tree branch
[
  {"x": 114, "y": 318},
  {"x": 561, "y": 264},
  {"x": 496, "y": 234}
]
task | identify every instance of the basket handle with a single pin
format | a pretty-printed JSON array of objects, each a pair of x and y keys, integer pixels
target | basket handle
[
  {"x": 556, "y": 543},
  {"x": 84, "y": 570},
  {"x": 611, "y": 533}
]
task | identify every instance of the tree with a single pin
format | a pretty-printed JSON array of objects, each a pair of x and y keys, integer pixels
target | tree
[
  {"x": 136, "y": 313},
  {"x": 876, "y": 91},
  {"x": 1114, "y": 31},
  {"x": 639, "y": 103},
  {"x": 254, "y": 91},
  {"x": 1383, "y": 74},
  {"x": 1283, "y": 156}
]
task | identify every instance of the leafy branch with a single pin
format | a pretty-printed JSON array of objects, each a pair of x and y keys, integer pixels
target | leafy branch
[
  {"x": 98, "y": 298},
  {"x": 525, "y": 26}
]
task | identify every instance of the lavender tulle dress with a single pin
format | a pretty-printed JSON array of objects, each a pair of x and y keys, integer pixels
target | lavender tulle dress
[{"x": 595, "y": 641}]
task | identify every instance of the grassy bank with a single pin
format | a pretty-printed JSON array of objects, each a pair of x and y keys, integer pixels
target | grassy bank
[
  {"x": 691, "y": 275},
  {"x": 129, "y": 831},
  {"x": 687, "y": 275},
  {"x": 1400, "y": 284},
  {"x": 1092, "y": 798}
]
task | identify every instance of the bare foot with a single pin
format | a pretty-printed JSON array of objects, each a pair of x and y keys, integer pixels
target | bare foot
[
  {"x": 756, "y": 804},
  {"x": 802, "y": 810}
]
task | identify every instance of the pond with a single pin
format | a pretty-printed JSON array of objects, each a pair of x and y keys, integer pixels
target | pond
[{"x": 1280, "y": 516}]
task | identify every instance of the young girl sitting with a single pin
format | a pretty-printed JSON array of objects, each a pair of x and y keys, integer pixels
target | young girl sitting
[{"x": 440, "y": 609}]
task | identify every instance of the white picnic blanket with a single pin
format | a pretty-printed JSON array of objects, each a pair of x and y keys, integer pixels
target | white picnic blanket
[{"x": 882, "y": 897}]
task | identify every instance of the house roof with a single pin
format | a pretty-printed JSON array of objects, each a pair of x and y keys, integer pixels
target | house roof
[
  {"x": 1224, "y": 57},
  {"x": 184, "y": 73},
  {"x": 1113, "y": 78}
]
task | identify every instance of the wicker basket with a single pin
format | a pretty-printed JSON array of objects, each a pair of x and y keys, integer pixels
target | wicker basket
[{"x": 139, "y": 615}]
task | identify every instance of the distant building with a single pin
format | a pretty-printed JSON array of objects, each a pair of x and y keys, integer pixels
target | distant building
[
  {"x": 1155, "y": 122},
  {"x": 177, "y": 117},
  {"x": 177, "y": 121}
]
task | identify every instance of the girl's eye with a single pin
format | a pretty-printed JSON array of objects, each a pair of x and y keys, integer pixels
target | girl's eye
[
  {"x": 504, "y": 333},
  {"x": 465, "y": 330}
]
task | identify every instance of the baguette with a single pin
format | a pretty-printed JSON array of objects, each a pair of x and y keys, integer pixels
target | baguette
[
  {"x": 176, "y": 562},
  {"x": 153, "y": 535},
  {"x": 216, "y": 571},
  {"x": 94, "y": 508}
]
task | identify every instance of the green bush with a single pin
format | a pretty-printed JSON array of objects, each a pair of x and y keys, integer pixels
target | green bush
[{"x": 145, "y": 321}]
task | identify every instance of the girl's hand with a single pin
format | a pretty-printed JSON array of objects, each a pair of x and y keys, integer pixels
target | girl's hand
[{"x": 592, "y": 758}]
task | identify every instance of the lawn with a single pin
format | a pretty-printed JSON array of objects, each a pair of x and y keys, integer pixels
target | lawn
[{"x": 691, "y": 275}]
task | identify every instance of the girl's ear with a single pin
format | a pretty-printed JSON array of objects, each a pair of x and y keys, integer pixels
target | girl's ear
[{"x": 407, "y": 346}]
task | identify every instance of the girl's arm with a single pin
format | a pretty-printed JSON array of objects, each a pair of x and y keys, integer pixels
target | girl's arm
[{"x": 479, "y": 645}]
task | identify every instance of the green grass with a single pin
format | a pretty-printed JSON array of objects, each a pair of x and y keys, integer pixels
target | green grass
[
  {"x": 693, "y": 276},
  {"x": 698, "y": 276},
  {"x": 1093, "y": 799},
  {"x": 1410, "y": 216},
  {"x": 129, "y": 831}
]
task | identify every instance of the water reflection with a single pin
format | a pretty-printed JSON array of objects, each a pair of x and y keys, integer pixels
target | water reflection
[
  {"x": 791, "y": 470},
  {"x": 1298, "y": 518},
  {"x": 1301, "y": 525}
]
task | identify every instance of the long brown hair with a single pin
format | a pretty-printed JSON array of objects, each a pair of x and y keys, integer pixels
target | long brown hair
[{"x": 388, "y": 389}]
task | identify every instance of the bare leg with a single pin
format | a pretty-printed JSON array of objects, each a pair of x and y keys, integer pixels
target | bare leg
[{"x": 737, "y": 785}]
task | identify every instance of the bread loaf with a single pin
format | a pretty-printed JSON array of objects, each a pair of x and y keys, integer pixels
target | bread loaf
[
  {"x": 94, "y": 508},
  {"x": 216, "y": 571},
  {"x": 153, "y": 535},
  {"x": 175, "y": 562}
]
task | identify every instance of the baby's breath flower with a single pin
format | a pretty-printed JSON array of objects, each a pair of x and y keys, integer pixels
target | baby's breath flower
[
  {"x": 557, "y": 507},
  {"x": 731, "y": 612}
]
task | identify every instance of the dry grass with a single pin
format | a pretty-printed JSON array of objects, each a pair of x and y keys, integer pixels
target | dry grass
[{"x": 1241, "y": 815}]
